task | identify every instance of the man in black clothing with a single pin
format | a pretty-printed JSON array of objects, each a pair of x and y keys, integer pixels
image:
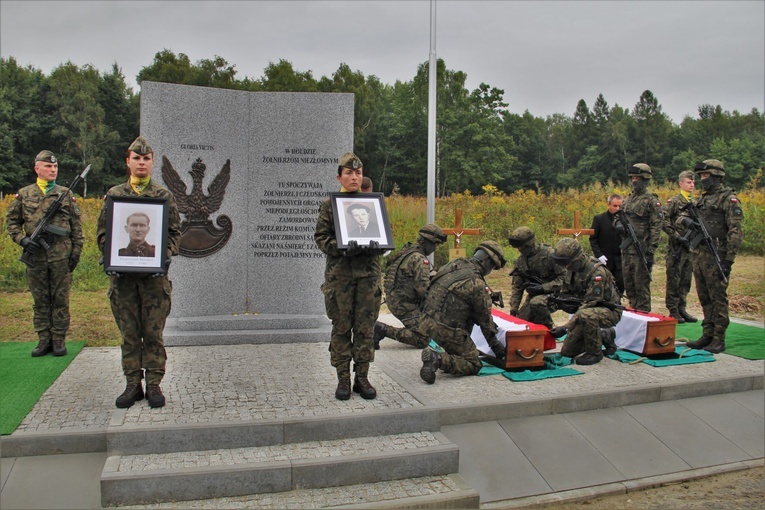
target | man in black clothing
[{"x": 606, "y": 240}]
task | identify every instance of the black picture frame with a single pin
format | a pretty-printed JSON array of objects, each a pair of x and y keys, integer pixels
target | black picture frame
[
  {"x": 348, "y": 226},
  {"x": 118, "y": 254}
]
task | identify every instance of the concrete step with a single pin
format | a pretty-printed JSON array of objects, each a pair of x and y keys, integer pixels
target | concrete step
[{"x": 185, "y": 476}]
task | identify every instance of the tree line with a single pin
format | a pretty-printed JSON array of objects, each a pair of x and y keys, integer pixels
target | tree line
[{"x": 89, "y": 117}]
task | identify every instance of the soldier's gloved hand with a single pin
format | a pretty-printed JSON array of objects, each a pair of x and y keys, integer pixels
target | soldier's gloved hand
[
  {"x": 603, "y": 259},
  {"x": 73, "y": 261},
  {"x": 649, "y": 259},
  {"x": 29, "y": 245},
  {"x": 352, "y": 250},
  {"x": 514, "y": 312},
  {"x": 535, "y": 290},
  {"x": 167, "y": 268},
  {"x": 684, "y": 242},
  {"x": 558, "y": 331},
  {"x": 498, "y": 350},
  {"x": 727, "y": 265},
  {"x": 114, "y": 274},
  {"x": 373, "y": 248}
]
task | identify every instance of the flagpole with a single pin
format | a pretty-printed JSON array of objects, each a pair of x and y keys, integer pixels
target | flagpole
[{"x": 432, "y": 71}]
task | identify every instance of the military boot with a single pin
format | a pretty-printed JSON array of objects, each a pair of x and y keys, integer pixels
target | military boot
[
  {"x": 343, "y": 391},
  {"x": 700, "y": 343},
  {"x": 59, "y": 345},
  {"x": 716, "y": 347},
  {"x": 686, "y": 316},
  {"x": 380, "y": 333},
  {"x": 675, "y": 314},
  {"x": 431, "y": 362},
  {"x": 607, "y": 336},
  {"x": 362, "y": 387},
  {"x": 154, "y": 395},
  {"x": 44, "y": 346},
  {"x": 589, "y": 359},
  {"x": 132, "y": 394}
]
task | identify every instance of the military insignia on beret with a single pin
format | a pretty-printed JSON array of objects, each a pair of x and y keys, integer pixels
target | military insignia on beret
[{"x": 355, "y": 164}]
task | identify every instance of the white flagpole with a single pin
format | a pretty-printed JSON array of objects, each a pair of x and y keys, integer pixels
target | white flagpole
[{"x": 432, "y": 71}]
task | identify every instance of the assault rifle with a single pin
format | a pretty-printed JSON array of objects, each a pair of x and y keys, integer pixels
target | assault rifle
[
  {"x": 631, "y": 239},
  {"x": 530, "y": 278},
  {"x": 45, "y": 224},
  {"x": 697, "y": 224},
  {"x": 570, "y": 304},
  {"x": 689, "y": 240},
  {"x": 496, "y": 298}
]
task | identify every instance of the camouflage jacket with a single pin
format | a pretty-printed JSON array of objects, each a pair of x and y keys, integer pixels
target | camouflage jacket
[
  {"x": 459, "y": 297},
  {"x": 538, "y": 264},
  {"x": 721, "y": 211},
  {"x": 407, "y": 279},
  {"x": 337, "y": 265},
  {"x": 643, "y": 209},
  {"x": 29, "y": 208},
  {"x": 671, "y": 211},
  {"x": 151, "y": 190},
  {"x": 593, "y": 284}
]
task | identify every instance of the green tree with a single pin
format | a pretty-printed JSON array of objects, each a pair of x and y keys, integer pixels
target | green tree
[
  {"x": 651, "y": 135},
  {"x": 282, "y": 77}
]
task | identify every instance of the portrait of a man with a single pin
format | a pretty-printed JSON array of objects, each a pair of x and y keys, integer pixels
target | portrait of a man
[
  {"x": 137, "y": 227},
  {"x": 364, "y": 223}
]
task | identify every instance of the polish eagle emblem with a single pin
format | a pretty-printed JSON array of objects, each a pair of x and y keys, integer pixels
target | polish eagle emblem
[{"x": 199, "y": 237}]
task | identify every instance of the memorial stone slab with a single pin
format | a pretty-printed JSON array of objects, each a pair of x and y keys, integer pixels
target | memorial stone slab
[{"x": 280, "y": 150}]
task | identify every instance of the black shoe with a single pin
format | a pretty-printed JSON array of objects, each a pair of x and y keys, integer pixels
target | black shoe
[
  {"x": 362, "y": 387},
  {"x": 343, "y": 391},
  {"x": 607, "y": 336},
  {"x": 716, "y": 347},
  {"x": 431, "y": 362},
  {"x": 59, "y": 346},
  {"x": 686, "y": 316},
  {"x": 379, "y": 334},
  {"x": 589, "y": 359},
  {"x": 44, "y": 346},
  {"x": 677, "y": 316},
  {"x": 132, "y": 394},
  {"x": 700, "y": 343},
  {"x": 154, "y": 395}
]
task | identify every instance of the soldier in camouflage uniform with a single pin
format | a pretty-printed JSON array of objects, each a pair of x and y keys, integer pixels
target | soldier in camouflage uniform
[
  {"x": 535, "y": 265},
  {"x": 141, "y": 302},
  {"x": 457, "y": 299},
  {"x": 53, "y": 258},
  {"x": 406, "y": 282},
  {"x": 591, "y": 325},
  {"x": 643, "y": 209},
  {"x": 352, "y": 291},
  {"x": 679, "y": 266},
  {"x": 721, "y": 212}
]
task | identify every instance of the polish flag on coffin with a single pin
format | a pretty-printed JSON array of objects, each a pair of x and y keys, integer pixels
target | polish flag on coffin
[{"x": 505, "y": 323}]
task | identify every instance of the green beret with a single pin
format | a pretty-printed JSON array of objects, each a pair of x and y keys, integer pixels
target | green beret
[
  {"x": 141, "y": 146},
  {"x": 46, "y": 156}
]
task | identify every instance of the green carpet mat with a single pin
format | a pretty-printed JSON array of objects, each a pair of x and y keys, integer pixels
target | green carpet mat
[
  {"x": 23, "y": 379},
  {"x": 681, "y": 356},
  {"x": 740, "y": 340},
  {"x": 554, "y": 367}
]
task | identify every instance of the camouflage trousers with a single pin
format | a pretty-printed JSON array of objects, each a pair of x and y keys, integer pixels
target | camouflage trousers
[
  {"x": 637, "y": 282},
  {"x": 585, "y": 335},
  {"x": 49, "y": 284},
  {"x": 679, "y": 275},
  {"x": 353, "y": 306},
  {"x": 713, "y": 295},
  {"x": 460, "y": 356},
  {"x": 535, "y": 310},
  {"x": 409, "y": 334},
  {"x": 140, "y": 305}
]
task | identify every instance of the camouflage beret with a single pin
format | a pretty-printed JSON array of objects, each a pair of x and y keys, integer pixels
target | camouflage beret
[
  {"x": 141, "y": 146},
  {"x": 46, "y": 156},
  {"x": 350, "y": 160}
]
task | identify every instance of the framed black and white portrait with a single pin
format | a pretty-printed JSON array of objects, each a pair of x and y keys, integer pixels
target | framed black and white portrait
[
  {"x": 136, "y": 240},
  {"x": 361, "y": 217}
]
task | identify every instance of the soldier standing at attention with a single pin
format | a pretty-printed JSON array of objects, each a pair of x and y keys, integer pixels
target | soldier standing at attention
[
  {"x": 457, "y": 299},
  {"x": 721, "y": 212},
  {"x": 53, "y": 259},
  {"x": 606, "y": 240},
  {"x": 591, "y": 325},
  {"x": 141, "y": 302},
  {"x": 352, "y": 293},
  {"x": 643, "y": 209},
  {"x": 679, "y": 266},
  {"x": 535, "y": 265},
  {"x": 406, "y": 282}
]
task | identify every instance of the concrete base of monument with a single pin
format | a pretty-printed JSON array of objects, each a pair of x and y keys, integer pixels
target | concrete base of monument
[{"x": 247, "y": 329}]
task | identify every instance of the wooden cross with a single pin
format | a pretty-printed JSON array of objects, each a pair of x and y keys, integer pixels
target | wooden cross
[
  {"x": 577, "y": 230},
  {"x": 458, "y": 232}
]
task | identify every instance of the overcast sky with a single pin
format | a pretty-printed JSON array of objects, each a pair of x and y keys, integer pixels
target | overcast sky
[{"x": 546, "y": 55}]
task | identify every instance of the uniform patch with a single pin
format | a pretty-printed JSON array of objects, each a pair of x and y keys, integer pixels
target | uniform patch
[
  {"x": 487, "y": 290},
  {"x": 734, "y": 200},
  {"x": 598, "y": 278},
  {"x": 426, "y": 262},
  {"x": 17, "y": 195}
]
